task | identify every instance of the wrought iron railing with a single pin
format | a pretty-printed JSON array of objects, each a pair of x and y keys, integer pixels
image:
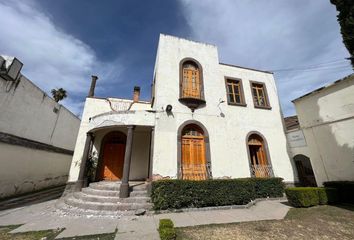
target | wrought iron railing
[
  {"x": 195, "y": 171},
  {"x": 262, "y": 170}
]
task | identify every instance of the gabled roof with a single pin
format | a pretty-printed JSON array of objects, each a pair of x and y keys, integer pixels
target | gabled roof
[{"x": 346, "y": 78}]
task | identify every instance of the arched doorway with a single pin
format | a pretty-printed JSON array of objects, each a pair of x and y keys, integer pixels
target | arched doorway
[
  {"x": 193, "y": 154},
  {"x": 304, "y": 170},
  {"x": 113, "y": 150},
  {"x": 260, "y": 164}
]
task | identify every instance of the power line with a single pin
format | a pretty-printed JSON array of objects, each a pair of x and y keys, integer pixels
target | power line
[{"x": 320, "y": 66}]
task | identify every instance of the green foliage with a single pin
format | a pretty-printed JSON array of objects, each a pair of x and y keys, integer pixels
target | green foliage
[
  {"x": 167, "y": 230},
  {"x": 346, "y": 22},
  {"x": 302, "y": 196},
  {"x": 310, "y": 196},
  {"x": 345, "y": 190},
  {"x": 269, "y": 187},
  {"x": 58, "y": 94},
  {"x": 166, "y": 223},
  {"x": 176, "y": 194}
]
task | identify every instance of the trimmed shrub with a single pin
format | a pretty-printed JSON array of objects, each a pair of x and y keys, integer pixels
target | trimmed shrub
[
  {"x": 166, "y": 223},
  {"x": 176, "y": 194},
  {"x": 302, "y": 196},
  {"x": 269, "y": 187},
  {"x": 345, "y": 190},
  {"x": 310, "y": 196},
  {"x": 327, "y": 195},
  {"x": 167, "y": 230}
]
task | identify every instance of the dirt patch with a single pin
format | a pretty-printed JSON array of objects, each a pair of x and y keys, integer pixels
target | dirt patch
[{"x": 321, "y": 222}]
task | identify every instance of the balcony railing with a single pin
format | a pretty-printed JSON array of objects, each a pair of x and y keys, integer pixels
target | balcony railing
[
  {"x": 195, "y": 171},
  {"x": 262, "y": 171}
]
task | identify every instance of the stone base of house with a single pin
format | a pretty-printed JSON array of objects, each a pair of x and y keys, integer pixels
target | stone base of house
[{"x": 102, "y": 198}]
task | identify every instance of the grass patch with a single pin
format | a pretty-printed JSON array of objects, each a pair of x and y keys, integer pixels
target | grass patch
[
  {"x": 35, "y": 235},
  {"x": 319, "y": 222},
  {"x": 105, "y": 236},
  {"x": 47, "y": 234}
]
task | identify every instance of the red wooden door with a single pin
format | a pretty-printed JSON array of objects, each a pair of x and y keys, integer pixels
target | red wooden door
[{"x": 113, "y": 160}]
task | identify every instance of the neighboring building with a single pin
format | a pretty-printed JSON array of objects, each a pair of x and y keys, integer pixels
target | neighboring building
[
  {"x": 325, "y": 135},
  {"x": 37, "y": 135},
  {"x": 205, "y": 120}
]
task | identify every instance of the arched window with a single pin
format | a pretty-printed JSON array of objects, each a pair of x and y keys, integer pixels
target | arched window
[
  {"x": 260, "y": 164},
  {"x": 191, "y": 82},
  {"x": 193, "y": 155}
]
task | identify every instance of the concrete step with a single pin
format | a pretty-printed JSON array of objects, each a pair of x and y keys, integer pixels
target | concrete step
[
  {"x": 138, "y": 193},
  {"x": 98, "y": 206},
  {"x": 68, "y": 210},
  {"x": 115, "y": 186},
  {"x": 109, "y": 186},
  {"x": 104, "y": 199},
  {"x": 96, "y": 192}
]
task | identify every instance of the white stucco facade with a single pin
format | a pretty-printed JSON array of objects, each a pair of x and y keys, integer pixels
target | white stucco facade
[
  {"x": 326, "y": 117},
  {"x": 37, "y": 135},
  {"x": 227, "y": 125}
]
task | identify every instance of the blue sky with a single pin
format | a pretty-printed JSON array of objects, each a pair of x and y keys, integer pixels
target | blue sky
[{"x": 62, "y": 43}]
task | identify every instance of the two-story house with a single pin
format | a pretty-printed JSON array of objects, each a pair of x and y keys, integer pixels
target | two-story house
[{"x": 205, "y": 120}]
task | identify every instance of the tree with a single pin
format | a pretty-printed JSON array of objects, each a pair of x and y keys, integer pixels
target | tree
[
  {"x": 346, "y": 22},
  {"x": 58, "y": 94}
]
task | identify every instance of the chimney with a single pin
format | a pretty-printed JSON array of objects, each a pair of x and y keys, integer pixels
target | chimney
[
  {"x": 136, "y": 94},
  {"x": 93, "y": 85}
]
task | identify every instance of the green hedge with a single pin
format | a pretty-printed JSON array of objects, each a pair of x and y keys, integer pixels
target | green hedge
[
  {"x": 176, "y": 194},
  {"x": 310, "y": 196},
  {"x": 167, "y": 230},
  {"x": 345, "y": 190}
]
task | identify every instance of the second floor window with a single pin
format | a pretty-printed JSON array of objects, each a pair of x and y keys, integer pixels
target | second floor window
[
  {"x": 259, "y": 93},
  {"x": 191, "y": 82},
  {"x": 234, "y": 92}
]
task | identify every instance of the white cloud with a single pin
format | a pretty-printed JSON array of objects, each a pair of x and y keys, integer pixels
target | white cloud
[
  {"x": 273, "y": 34},
  {"x": 51, "y": 57}
]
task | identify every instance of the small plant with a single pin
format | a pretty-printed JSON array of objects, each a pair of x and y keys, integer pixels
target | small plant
[
  {"x": 91, "y": 166},
  {"x": 167, "y": 230}
]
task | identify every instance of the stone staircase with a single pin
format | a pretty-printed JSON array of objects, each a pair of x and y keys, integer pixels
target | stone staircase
[{"x": 102, "y": 198}]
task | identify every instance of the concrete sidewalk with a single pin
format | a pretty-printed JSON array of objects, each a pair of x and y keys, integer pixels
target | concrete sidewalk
[{"x": 45, "y": 216}]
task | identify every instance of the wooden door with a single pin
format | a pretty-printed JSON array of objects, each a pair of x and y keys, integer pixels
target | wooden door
[
  {"x": 258, "y": 158},
  {"x": 193, "y": 158},
  {"x": 113, "y": 160}
]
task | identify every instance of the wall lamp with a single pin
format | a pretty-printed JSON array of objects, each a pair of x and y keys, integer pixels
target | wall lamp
[{"x": 169, "y": 108}]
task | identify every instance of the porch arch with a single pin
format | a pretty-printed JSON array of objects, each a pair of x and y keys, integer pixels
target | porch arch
[
  {"x": 258, "y": 155},
  {"x": 206, "y": 146}
]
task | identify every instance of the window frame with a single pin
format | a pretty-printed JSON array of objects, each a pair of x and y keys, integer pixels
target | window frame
[
  {"x": 201, "y": 80},
  {"x": 266, "y": 98},
  {"x": 242, "y": 95}
]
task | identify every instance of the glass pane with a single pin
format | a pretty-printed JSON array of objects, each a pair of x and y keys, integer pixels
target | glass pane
[
  {"x": 238, "y": 99},
  {"x": 232, "y": 98},
  {"x": 237, "y": 89},
  {"x": 229, "y": 88}
]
